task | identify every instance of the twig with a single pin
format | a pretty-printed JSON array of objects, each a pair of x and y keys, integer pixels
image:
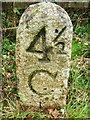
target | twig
[{"x": 10, "y": 28}]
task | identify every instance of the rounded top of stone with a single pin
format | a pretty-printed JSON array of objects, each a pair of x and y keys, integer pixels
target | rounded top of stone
[{"x": 44, "y": 10}]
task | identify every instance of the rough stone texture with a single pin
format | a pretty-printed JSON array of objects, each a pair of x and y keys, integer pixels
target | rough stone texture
[{"x": 43, "y": 52}]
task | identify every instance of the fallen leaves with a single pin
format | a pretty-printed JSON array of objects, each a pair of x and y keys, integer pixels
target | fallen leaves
[{"x": 53, "y": 112}]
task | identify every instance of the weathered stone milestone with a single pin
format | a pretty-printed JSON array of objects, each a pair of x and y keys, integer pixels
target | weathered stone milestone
[{"x": 43, "y": 51}]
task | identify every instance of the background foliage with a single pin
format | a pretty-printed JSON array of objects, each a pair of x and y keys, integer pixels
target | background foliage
[{"x": 78, "y": 95}]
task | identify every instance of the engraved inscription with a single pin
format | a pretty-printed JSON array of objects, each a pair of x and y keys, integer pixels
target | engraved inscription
[
  {"x": 46, "y": 49},
  {"x": 37, "y": 73},
  {"x": 59, "y": 34}
]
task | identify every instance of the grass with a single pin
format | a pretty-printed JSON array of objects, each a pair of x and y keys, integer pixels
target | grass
[
  {"x": 78, "y": 99},
  {"x": 77, "y": 106},
  {"x": 78, "y": 94}
]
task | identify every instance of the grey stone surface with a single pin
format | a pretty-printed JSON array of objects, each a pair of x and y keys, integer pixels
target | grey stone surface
[{"x": 43, "y": 52}]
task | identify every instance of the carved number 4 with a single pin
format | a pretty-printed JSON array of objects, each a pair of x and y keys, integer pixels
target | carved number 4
[{"x": 45, "y": 49}]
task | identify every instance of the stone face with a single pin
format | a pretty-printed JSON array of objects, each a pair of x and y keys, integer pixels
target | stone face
[{"x": 43, "y": 51}]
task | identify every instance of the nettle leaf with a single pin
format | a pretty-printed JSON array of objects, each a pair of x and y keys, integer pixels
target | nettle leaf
[{"x": 6, "y": 41}]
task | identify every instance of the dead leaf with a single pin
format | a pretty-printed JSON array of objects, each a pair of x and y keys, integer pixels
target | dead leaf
[
  {"x": 7, "y": 74},
  {"x": 50, "y": 109},
  {"x": 55, "y": 113}
]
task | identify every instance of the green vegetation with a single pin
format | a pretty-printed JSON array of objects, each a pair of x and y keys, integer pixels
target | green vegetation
[{"x": 78, "y": 94}]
